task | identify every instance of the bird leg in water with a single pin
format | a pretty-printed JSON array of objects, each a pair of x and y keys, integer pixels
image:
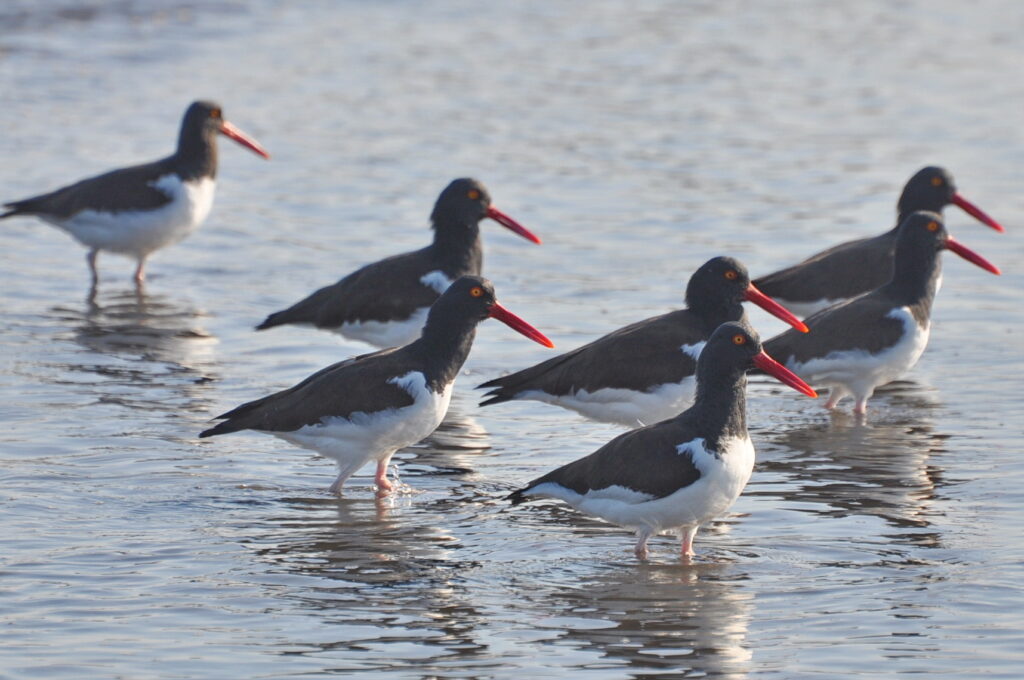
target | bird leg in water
[
  {"x": 384, "y": 487},
  {"x": 686, "y": 550},
  {"x": 835, "y": 393},
  {"x": 91, "y": 259},
  {"x": 140, "y": 271},
  {"x": 640, "y": 549}
]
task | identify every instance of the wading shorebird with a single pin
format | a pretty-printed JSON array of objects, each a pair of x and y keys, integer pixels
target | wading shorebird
[
  {"x": 136, "y": 210},
  {"x": 856, "y": 267},
  {"x": 682, "y": 472},
  {"x": 385, "y": 303},
  {"x": 364, "y": 409},
  {"x": 875, "y": 338},
  {"x": 643, "y": 372}
]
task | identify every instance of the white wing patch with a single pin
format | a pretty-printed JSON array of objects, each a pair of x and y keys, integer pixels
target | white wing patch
[
  {"x": 437, "y": 280},
  {"x": 693, "y": 351}
]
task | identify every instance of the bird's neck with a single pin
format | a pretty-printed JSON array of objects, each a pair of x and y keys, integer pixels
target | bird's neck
[
  {"x": 906, "y": 208},
  {"x": 457, "y": 248},
  {"x": 915, "y": 277},
  {"x": 713, "y": 315},
  {"x": 443, "y": 348},
  {"x": 720, "y": 407},
  {"x": 196, "y": 157}
]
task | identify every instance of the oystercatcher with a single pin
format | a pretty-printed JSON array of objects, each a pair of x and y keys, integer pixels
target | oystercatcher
[
  {"x": 873, "y": 339},
  {"x": 385, "y": 303},
  {"x": 855, "y": 267},
  {"x": 366, "y": 408},
  {"x": 644, "y": 372},
  {"x": 137, "y": 210},
  {"x": 681, "y": 472}
]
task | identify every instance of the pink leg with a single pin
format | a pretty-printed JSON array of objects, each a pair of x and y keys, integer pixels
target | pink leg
[
  {"x": 640, "y": 549},
  {"x": 91, "y": 259},
  {"x": 140, "y": 271},
  {"x": 861, "y": 407},
  {"x": 835, "y": 394},
  {"x": 384, "y": 487},
  {"x": 686, "y": 551}
]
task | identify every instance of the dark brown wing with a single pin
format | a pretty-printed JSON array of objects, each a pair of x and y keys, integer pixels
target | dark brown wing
[
  {"x": 114, "y": 191},
  {"x": 636, "y": 357},
  {"x": 646, "y": 460},
  {"x": 866, "y": 264},
  {"x": 350, "y": 386},
  {"x": 860, "y": 323},
  {"x": 388, "y": 290}
]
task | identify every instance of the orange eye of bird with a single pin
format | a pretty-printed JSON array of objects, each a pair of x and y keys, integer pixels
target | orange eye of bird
[
  {"x": 936, "y": 181},
  {"x": 933, "y": 226},
  {"x": 731, "y": 274},
  {"x": 476, "y": 291},
  {"x": 473, "y": 194},
  {"x": 739, "y": 339},
  {"x": 215, "y": 113}
]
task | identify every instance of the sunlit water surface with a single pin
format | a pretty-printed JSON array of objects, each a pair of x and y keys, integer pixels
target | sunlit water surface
[{"x": 638, "y": 141}]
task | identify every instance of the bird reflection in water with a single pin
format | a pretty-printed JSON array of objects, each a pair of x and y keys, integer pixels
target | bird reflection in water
[
  {"x": 149, "y": 351},
  {"x": 659, "y": 619},
  {"x": 379, "y": 581},
  {"x": 452, "y": 450},
  {"x": 884, "y": 469}
]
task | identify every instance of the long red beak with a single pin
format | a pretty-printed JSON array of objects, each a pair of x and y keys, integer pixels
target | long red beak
[
  {"x": 774, "y": 308},
  {"x": 975, "y": 212},
  {"x": 969, "y": 255},
  {"x": 783, "y": 374},
  {"x": 229, "y": 130},
  {"x": 509, "y": 223},
  {"x": 515, "y": 323}
]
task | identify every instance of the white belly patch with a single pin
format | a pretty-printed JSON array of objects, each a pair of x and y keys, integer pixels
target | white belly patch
[
  {"x": 859, "y": 371},
  {"x": 722, "y": 479},
  {"x": 365, "y": 437},
  {"x": 140, "y": 232}
]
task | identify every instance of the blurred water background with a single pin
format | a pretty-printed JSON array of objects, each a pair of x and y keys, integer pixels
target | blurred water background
[{"x": 639, "y": 140}]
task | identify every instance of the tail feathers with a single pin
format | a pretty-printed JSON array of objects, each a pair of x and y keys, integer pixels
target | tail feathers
[
  {"x": 271, "y": 321},
  {"x": 499, "y": 391},
  {"x": 496, "y": 397},
  {"x": 23, "y": 207},
  {"x": 518, "y": 496},
  {"x": 225, "y": 427}
]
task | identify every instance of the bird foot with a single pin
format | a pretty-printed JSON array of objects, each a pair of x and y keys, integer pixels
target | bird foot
[{"x": 640, "y": 549}]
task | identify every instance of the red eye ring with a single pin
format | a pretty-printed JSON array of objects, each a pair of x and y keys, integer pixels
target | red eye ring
[
  {"x": 731, "y": 274},
  {"x": 739, "y": 339},
  {"x": 476, "y": 291},
  {"x": 473, "y": 194},
  {"x": 933, "y": 226}
]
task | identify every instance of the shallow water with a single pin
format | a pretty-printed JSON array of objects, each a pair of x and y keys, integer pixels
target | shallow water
[{"x": 638, "y": 142}]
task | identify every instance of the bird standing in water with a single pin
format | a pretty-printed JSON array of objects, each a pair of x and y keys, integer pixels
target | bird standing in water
[
  {"x": 136, "y": 210},
  {"x": 385, "y": 303},
  {"x": 366, "y": 408},
  {"x": 875, "y": 338},
  {"x": 643, "y": 372},
  {"x": 857, "y": 267},
  {"x": 682, "y": 472}
]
